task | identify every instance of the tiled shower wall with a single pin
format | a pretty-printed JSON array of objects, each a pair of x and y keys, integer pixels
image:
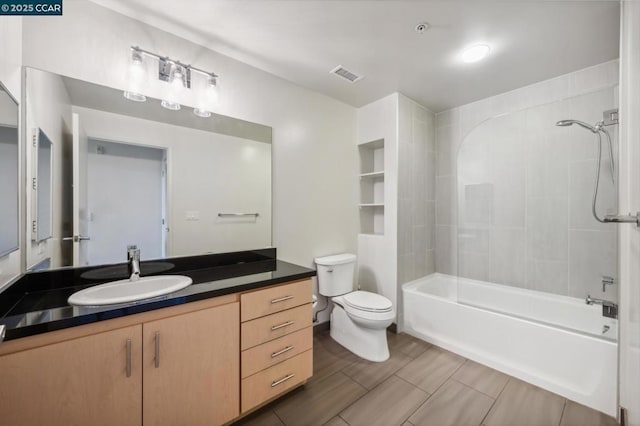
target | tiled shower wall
[
  {"x": 521, "y": 212},
  {"x": 416, "y": 191}
]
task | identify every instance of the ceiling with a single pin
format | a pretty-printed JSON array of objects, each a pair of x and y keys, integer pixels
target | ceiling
[{"x": 302, "y": 41}]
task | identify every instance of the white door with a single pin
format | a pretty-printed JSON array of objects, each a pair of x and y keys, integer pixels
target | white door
[{"x": 80, "y": 211}]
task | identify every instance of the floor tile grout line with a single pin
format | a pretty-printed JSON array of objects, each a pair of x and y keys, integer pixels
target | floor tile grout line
[
  {"x": 564, "y": 407},
  {"x": 472, "y": 388},
  {"x": 426, "y": 391},
  {"x": 343, "y": 419},
  {"x": 276, "y": 414},
  {"x": 495, "y": 401},
  {"x": 429, "y": 395}
]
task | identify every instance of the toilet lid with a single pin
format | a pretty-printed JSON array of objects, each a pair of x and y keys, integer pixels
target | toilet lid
[{"x": 367, "y": 301}]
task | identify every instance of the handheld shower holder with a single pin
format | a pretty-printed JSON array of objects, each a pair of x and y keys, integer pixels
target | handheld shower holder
[{"x": 612, "y": 218}]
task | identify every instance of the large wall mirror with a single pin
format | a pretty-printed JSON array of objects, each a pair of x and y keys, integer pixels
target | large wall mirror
[
  {"x": 9, "y": 157},
  {"x": 125, "y": 173}
]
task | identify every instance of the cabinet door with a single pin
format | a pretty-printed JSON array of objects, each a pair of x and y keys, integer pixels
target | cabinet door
[
  {"x": 83, "y": 381},
  {"x": 191, "y": 368}
]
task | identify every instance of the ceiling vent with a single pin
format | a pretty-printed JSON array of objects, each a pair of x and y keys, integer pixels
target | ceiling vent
[{"x": 346, "y": 74}]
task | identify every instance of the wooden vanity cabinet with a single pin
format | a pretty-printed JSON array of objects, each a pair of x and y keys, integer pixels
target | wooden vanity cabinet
[
  {"x": 191, "y": 368},
  {"x": 201, "y": 363},
  {"x": 276, "y": 338},
  {"x": 91, "y": 380}
]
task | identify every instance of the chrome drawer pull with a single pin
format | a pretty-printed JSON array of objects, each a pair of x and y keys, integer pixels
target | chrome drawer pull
[
  {"x": 275, "y": 327},
  {"x": 282, "y": 299},
  {"x": 287, "y": 349},
  {"x": 128, "y": 360},
  {"x": 284, "y": 379}
]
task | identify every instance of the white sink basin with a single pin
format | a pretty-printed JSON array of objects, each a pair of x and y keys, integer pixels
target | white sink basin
[{"x": 125, "y": 291}]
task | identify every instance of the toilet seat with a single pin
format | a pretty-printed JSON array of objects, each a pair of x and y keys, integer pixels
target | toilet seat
[
  {"x": 366, "y": 306},
  {"x": 367, "y": 301}
]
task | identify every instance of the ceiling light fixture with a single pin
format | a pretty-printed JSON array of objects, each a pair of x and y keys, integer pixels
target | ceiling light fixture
[
  {"x": 178, "y": 75},
  {"x": 475, "y": 53}
]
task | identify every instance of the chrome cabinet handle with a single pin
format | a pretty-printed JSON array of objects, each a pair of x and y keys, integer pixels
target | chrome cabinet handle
[
  {"x": 282, "y": 299},
  {"x": 275, "y": 327},
  {"x": 76, "y": 238},
  {"x": 157, "y": 355},
  {"x": 284, "y": 379},
  {"x": 280, "y": 352},
  {"x": 128, "y": 357}
]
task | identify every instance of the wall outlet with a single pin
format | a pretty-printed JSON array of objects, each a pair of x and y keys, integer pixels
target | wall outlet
[{"x": 192, "y": 215}]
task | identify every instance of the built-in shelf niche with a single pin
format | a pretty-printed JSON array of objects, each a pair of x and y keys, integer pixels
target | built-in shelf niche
[{"x": 372, "y": 187}]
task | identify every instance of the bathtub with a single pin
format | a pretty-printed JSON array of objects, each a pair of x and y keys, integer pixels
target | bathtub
[{"x": 555, "y": 342}]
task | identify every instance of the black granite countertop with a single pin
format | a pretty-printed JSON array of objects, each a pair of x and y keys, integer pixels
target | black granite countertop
[{"x": 37, "y": 302}]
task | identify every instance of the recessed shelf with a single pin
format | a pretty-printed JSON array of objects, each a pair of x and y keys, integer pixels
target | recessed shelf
[{"x": 372, "y": 184}]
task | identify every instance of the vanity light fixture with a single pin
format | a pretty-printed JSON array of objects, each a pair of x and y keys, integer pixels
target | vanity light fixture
[
  {"x": 475, "y": 53},
  {"x": 179, "y": 77}
]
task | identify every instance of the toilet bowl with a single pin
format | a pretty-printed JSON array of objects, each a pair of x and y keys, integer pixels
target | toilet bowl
[{"x": 359, "y": 319}]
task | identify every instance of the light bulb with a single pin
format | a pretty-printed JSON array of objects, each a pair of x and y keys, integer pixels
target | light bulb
[{"x": 136, "y": 79}]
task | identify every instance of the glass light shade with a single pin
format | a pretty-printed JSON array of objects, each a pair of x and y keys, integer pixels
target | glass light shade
[
  {"x": 208, "y": 98},
  {"x": 177, "y": 82},
  {"x": 136, "y": 78}
]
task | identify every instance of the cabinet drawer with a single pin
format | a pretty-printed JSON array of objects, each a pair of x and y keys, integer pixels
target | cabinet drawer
[
  {"x": 275, "y": 325},
  {"x": 275, "y": 380},
  {"x": 275, "y": 299},
  {"x": 263, "y": 356}
]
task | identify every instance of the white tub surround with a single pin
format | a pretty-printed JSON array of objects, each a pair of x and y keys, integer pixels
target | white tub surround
[{"x": 559, "y": 346}]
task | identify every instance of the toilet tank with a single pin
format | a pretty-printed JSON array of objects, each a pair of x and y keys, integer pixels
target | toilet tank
[{"x": 335, "y": 274}]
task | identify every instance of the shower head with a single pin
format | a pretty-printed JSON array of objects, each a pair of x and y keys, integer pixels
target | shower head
[{"x": 564, "y": 123}]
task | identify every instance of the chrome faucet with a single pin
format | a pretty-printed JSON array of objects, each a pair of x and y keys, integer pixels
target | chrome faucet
[
  {"x": 133, "y": 259},
  {"x": 609, "y": 309}
]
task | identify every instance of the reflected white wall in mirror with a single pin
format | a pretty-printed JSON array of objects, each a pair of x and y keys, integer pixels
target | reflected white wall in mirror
[
  {"x": 149, "y": 176},
  {"x": 8, "y": 174},
  {"x": 42, "y": 223}
]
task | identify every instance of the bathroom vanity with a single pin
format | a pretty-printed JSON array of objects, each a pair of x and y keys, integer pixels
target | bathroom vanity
[{"x": 237, "y": 338}]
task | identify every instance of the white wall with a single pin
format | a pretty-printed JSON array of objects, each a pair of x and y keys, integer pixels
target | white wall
[
  {"x": 52, "y": 114},
  {"x": 416, "y": 194},
  {"x": 629, "y": 198},
  {"x": 10, "y": 71},
  {"x": 208, "y": 173},
  {"x": 524, "y": 186},
  {"x": 377, "y": 254}
]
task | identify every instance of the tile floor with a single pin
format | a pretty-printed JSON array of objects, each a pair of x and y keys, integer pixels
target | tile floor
[{"x": 419, "y": 385}]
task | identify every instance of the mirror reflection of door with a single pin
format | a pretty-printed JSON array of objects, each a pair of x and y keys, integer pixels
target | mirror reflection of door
[
  {"x": 8, "y": 189},
  {"x": 42, "y": 185},
  {"x": 135, "y": 176}
]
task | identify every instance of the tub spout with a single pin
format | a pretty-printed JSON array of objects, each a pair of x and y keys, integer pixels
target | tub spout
[{"x": 609, "y": 309}]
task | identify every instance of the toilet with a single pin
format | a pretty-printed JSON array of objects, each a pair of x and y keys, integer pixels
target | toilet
[{"x": 359, "y": 319}]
